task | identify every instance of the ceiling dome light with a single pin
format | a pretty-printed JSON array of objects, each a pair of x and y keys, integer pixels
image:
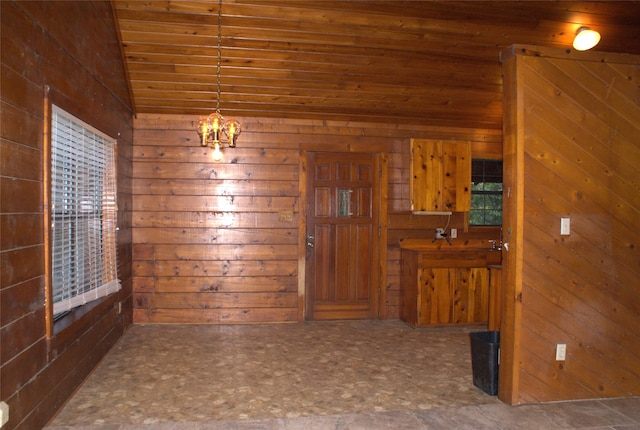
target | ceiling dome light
[{"x": 585, "y": 39}]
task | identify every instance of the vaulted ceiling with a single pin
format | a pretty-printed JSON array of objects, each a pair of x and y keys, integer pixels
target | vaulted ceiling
[{"x": 420, "y": 62}]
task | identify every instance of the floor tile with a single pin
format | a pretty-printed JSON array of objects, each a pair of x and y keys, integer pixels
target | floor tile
[
  {"x": 267, "y": 424},
  {"x": 629, "y": 407},
  {"x": 465, "y": 418},
  {"x": 526, "y": 417},
  {"x": 161, "y": 426},
  {"x": 585, "y": 414},
  {"x": 384, "y": 421},
  {"x": 333, "y": 422}
]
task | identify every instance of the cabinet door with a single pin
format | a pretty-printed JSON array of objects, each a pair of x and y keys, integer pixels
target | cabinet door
[
  {"x": 435, "y": 296},
  {"x": 471, "y": 295},
  {"x": 440, "y": 175}
]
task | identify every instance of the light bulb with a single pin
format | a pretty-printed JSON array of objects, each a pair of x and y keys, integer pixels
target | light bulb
[
  {"x": 215, "y": 121},
  {"x": 217, "y": 152},
  {"x": 232, "y": 130},
  {"x": 203, "y": 131}
]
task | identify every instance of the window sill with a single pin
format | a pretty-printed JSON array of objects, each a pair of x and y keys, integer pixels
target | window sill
[
  {"x": 74, "y": 315},
  {"x": 77, "y": 322}
]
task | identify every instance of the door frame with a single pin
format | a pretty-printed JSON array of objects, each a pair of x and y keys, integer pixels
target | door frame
[{"x": 380, "y": 152}]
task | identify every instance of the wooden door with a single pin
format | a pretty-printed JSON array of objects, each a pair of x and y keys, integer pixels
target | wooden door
[{"x": 342, "y": 212}]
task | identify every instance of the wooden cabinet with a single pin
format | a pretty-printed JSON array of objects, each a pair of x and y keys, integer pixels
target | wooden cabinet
[
  {"x": 440, "y": 175},
  {"x": 446, "y": 287}
]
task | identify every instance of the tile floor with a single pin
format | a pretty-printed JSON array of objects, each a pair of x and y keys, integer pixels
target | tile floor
[{"x": 329, "y": 375}]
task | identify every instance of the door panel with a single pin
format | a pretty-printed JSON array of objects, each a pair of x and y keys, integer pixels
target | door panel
[
  {"x": 322, "y": 202},
  {"x": 342, "y": 232}
]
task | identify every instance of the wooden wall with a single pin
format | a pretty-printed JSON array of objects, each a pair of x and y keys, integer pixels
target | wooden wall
[
  {"x": 572, "y": 149},
  {"x": 209, "y": 246},
  {"x": 41, "y": 45}
]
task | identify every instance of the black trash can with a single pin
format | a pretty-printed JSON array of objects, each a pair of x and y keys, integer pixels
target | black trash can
[{"x": 485, "y": 347}]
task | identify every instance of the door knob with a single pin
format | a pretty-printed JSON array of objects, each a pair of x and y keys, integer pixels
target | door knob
[{"x": 310, "y": 244}]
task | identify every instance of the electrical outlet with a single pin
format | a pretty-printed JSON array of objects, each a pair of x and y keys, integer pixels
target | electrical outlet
[
  {"x": 4, "y": 413},
  {"x": 454, "y": 233},
  {"x": 561, "y": 352},
  {"x": 565, "y": 226}
]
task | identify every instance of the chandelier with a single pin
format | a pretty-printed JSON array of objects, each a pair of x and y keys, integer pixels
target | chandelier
[{"x": 211, "y": 128}]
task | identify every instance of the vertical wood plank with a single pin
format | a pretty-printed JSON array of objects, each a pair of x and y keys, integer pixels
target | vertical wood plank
[
  {"x": 512, "y": 221},
  {"x": 463, "y": 177},
  {"x": 495, "y": 296}
]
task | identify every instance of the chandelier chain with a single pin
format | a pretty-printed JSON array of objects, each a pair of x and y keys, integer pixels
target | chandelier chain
[{"x": 218, "y": 66}]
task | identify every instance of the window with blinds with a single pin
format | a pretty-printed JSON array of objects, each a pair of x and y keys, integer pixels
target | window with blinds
[{"x": 83, "y": 213}]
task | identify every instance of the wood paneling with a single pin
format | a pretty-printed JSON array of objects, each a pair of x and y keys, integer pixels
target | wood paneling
[
  {"x": 86, "y": 77},
  {"x": 209, "y": 242},
  {"x": 570, "y": 124},
  {"x": 412, "y": 62}
]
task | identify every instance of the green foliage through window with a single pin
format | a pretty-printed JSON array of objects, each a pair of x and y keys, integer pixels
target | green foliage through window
[{"x": 486, "y": 193}]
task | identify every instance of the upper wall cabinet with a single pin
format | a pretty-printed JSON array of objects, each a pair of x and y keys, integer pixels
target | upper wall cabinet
[{"x": 440, "y": 175}]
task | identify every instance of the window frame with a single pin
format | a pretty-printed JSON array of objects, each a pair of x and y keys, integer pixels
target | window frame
[{"x": 106, "y": 216}]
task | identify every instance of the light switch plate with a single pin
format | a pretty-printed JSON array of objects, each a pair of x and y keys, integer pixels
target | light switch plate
[
  {"x": 565, "y": 226},
  {"x": 561, "y": 351}
]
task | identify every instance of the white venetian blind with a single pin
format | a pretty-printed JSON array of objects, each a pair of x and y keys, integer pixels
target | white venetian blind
[{"x": 83, "y": 213}]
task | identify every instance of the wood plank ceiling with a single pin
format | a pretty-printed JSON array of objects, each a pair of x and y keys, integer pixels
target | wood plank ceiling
[{"x": 419, "y": 62}]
